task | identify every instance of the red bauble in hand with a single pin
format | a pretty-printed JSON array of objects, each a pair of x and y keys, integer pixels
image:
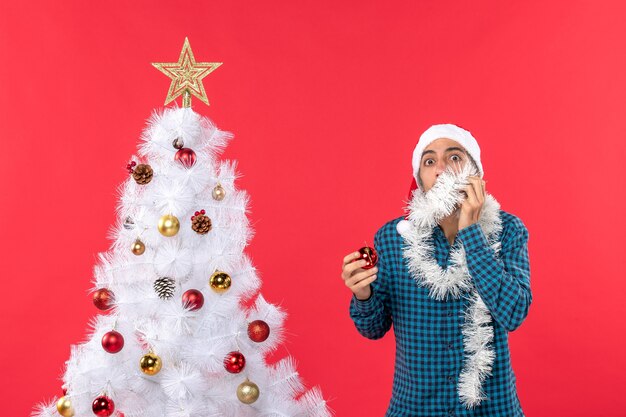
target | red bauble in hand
[
  {"x": 370, "y": 256},
  {"x": 103, "y": 299},
  {"x": 258, "y": 331},
  {"x": 234, "y": 362},
  {"x": 193, "y": 300},
  {"x": 103, "y": 406},
  {"x": 186, "y": 156},
  {"x": 112, "y": 341}
]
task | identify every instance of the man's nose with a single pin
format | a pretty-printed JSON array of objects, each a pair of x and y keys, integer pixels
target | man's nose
[{"x": 441, "y": 167}]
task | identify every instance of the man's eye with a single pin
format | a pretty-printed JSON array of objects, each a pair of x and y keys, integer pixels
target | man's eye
[
  {"x": 426, "y": 162},
  {"x": 456, "y": 156}
]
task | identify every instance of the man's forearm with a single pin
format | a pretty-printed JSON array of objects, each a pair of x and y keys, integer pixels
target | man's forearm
[{"x": 502, "y": 282}]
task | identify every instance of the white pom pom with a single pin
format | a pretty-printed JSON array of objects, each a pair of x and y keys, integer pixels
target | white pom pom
[
  {"x": 403, "y": 227},
  {"x": 173, "y": 260},
  {"x": 182, "y": 381}
]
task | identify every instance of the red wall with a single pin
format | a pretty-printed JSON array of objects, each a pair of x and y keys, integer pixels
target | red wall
[{"x": 327, "y": 102}]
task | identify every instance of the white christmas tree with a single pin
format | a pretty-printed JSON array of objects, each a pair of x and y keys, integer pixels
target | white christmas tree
[{"x": 183, "y": 335}]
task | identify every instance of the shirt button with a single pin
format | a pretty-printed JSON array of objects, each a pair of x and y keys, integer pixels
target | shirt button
[
  {"x": 451, "y": 378},
  {"x": 451, "y": 413},
  {"x": 449, "y": 313}
]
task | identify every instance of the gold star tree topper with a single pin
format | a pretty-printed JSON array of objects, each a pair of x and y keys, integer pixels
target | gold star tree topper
[{"x": 186, "y": 75}]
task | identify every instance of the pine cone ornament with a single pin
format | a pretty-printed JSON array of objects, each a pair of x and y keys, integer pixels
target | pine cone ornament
[
  {"x": 129, "y": 223},
  {"x": 201, "y": 223},
  {"x": 164, "y": 287},
  {"x": 143, "y": 174}
]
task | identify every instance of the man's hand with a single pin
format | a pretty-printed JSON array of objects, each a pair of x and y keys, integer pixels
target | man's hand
[
  {"x": 473, "y": 203},
  {"x": 356, "y": 278}
]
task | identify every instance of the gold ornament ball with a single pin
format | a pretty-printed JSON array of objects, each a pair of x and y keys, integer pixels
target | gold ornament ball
[
  {"x": 219, "y": 193},
  {"x": 64, "y": 407},
  {"x": 169, "y": 225},
  {"x": 220, "y": 281},
  {"x": 138, "y": 247},
  {"x": 150, "y": 364},
  {"x": 248, "y": 392}
]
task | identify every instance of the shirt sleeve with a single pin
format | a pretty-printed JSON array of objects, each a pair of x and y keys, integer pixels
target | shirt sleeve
[
  {"x": 372, "y": 317},
  {"x": 503, "y": 282}
]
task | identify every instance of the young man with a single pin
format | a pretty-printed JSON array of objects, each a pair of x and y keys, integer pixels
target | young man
[{"x": 453, "y": 277}]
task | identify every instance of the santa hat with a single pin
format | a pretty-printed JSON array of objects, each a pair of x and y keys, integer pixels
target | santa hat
[{"x": 449, "y": 131}]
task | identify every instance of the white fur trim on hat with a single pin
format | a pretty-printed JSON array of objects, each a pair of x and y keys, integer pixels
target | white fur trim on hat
[{"x": 449, "y": 131}]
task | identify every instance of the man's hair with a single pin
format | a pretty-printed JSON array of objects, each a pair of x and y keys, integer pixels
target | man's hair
[{"x": 419, "y": 178}]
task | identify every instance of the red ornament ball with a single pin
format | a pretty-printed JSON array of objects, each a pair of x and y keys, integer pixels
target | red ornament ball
[
  {"x": 234, "y": 362},
  {"x": 186, "y": 156},
  {"x": 103, "y": 406},
  {"x": 370, "y": 256},
  {"x": 103, "y": 299},
  {"x": 193, "y": 299},
  {"x": 258, "y": 331},
  {"x": 112, "y": 341}
]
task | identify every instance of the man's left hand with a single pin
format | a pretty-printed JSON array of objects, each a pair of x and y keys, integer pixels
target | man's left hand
[{"x": 473, "y": 203}]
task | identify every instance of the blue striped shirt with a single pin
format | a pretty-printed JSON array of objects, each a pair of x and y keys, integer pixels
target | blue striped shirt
[{"x": 429, "y": 342}]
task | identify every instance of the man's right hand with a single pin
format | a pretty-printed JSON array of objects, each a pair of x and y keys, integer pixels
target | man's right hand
[{"x": 356, "y": 278}]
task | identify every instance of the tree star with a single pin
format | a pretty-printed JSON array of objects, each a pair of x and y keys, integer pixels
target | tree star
[{"x": 186, "y": 74}]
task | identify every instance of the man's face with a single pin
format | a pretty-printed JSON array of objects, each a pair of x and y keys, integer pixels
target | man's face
[{"x": 437, "y": 156}]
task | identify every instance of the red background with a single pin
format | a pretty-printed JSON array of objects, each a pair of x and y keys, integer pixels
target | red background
[{"x": 326, "y": 101}]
